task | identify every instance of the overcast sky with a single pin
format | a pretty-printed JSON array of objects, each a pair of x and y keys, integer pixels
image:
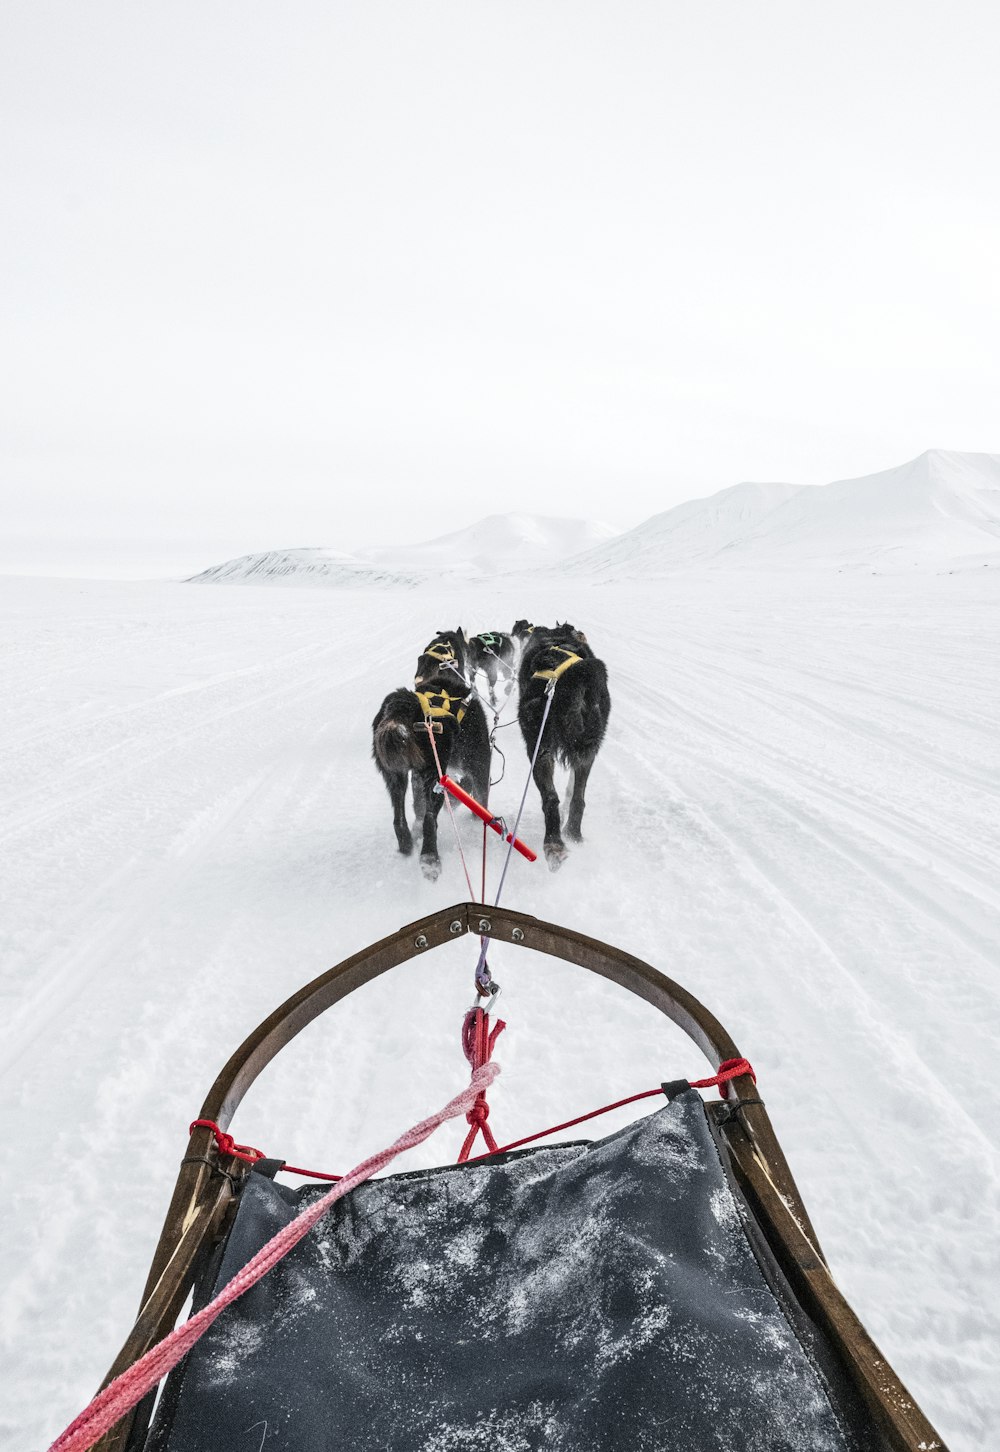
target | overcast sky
[{"x": 332, "y": 273}]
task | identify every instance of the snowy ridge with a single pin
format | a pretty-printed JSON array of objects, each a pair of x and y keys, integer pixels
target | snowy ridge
[
  {"x": 500, "y": 541},
  {"x": 940, "y": 509},
  {"x": 690, "y": 533},
  {"x": 507, "y": 541},
  {"x": 299, "y": 567}
]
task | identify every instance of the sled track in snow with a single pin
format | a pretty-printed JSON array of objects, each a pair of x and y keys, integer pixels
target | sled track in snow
[{"x": 827, "y": 880}]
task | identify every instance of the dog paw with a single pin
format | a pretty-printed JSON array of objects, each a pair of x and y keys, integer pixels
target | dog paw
[
  {"x": 574, "y": 834},
  {"x": 555, "y": 855},
  {"x": 431, "y": 868},
  {"x": 406, "y": 845}
]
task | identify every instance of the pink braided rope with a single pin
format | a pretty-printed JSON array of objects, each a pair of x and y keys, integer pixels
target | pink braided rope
[{"x": 127, "y": 1390}]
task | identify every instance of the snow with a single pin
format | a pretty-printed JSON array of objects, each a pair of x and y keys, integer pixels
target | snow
[
  {"x": 795, "y": 814},
  {"x": 500, "y": 541},
  {"x": 300, "y": 567},
  {"x": 938, "y": 510},
  {"x": 690, "y": 533},
  {"x": 513, "y": 539}
]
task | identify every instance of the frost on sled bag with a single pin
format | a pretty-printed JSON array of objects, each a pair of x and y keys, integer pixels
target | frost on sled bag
[{"x": 586, "y": 1296}]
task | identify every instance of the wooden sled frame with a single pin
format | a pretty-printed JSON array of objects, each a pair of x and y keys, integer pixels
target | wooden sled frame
[{"x": 208, "y": 1182}]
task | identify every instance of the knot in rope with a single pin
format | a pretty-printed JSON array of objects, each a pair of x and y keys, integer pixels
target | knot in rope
[
  {"x": 728, "y": 1069},
  {"x": 478, "y": 1042},
  {"x": 479, "y": 1114},
  {"x": 225, "y": 1142}
]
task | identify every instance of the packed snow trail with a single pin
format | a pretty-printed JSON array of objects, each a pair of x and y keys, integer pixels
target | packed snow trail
[{"x": 795, "y": 814}]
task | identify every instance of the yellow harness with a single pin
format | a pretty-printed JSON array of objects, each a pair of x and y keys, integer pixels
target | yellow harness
[
  {"x": 443, "y": 653},
  {"x": 553, "y": 675},
  {"x": 432, "y": 712}
]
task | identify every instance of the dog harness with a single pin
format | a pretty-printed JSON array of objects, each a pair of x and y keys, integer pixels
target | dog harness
[
  {"x": 440, "y": 650},
  {"x": 437, "y": 704},
  {"x": 490, "y": 639},
  {"x": 553, "y": 675},
  {"x": 443, "y": 653}
]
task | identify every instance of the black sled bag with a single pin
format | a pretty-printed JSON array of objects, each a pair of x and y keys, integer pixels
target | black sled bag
[{"x": 585, "y": 1296}]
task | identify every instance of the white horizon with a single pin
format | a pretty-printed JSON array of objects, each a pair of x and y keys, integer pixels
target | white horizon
[{"x": 326, "y": 275}]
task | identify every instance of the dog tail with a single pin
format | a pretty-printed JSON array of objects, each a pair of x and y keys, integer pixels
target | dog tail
[
  {"x": 395, "y": 743},
  {"x": 584, "y": 710}
]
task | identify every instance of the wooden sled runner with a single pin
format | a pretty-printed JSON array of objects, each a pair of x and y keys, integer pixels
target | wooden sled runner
[{"x": 661, "y": 1288}]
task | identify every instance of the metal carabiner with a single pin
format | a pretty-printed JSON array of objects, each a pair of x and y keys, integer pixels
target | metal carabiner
[{"x": 487, "y": 997}]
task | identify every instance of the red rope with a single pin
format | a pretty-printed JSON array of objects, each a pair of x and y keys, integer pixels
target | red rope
[
  {"x": 568, "y": 1124},
  {"x": 482, "y": 895},
  {"x": 227, "y": 1145},
  {"x": 478, "y": 1042},
  {"x": 451, "y": 810},
  {"x": 246, "y": 1152},
  {"x": 127, "y": 1390},
  {"x": 728, "y": 1069}
]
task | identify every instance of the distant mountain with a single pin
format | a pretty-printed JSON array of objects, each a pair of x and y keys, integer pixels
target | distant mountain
[
  {"x": 690, "y": 533},
  {"x": 500, "y": 542},
  {"x": 938, "y": 510},
  {"x": 510, "y": 541},
  {"x": 300, "y": 567}
]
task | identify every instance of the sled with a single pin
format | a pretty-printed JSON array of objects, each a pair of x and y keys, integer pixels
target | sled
[{"x": 661, "y": 1288}]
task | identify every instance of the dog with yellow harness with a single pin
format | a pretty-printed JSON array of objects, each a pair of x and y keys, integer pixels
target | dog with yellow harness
[
  {"x": 448, "y": 655},
  {"x": 559, "y": 661},
  {"x": 442, "y": 705}
]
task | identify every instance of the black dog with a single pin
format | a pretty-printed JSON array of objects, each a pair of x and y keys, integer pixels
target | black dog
[
  {"x": 493, "y": 653},
  {"x": 446, "y": 655},
  {"x": 402, "y": 749},
  {"x": 561, "y": 660}
]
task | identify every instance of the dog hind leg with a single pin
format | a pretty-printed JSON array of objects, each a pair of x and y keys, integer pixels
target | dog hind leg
[
  {"x": 473, "y": 753},
  {"x": 555, "y": 847},
  {"x": 396, "y": 782},
  {"x": 574, "y": 819},
  {"x": 428, "y": 805}
]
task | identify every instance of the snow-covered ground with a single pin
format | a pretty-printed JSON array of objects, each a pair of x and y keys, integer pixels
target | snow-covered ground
[{"x": 796, "y": 814}]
